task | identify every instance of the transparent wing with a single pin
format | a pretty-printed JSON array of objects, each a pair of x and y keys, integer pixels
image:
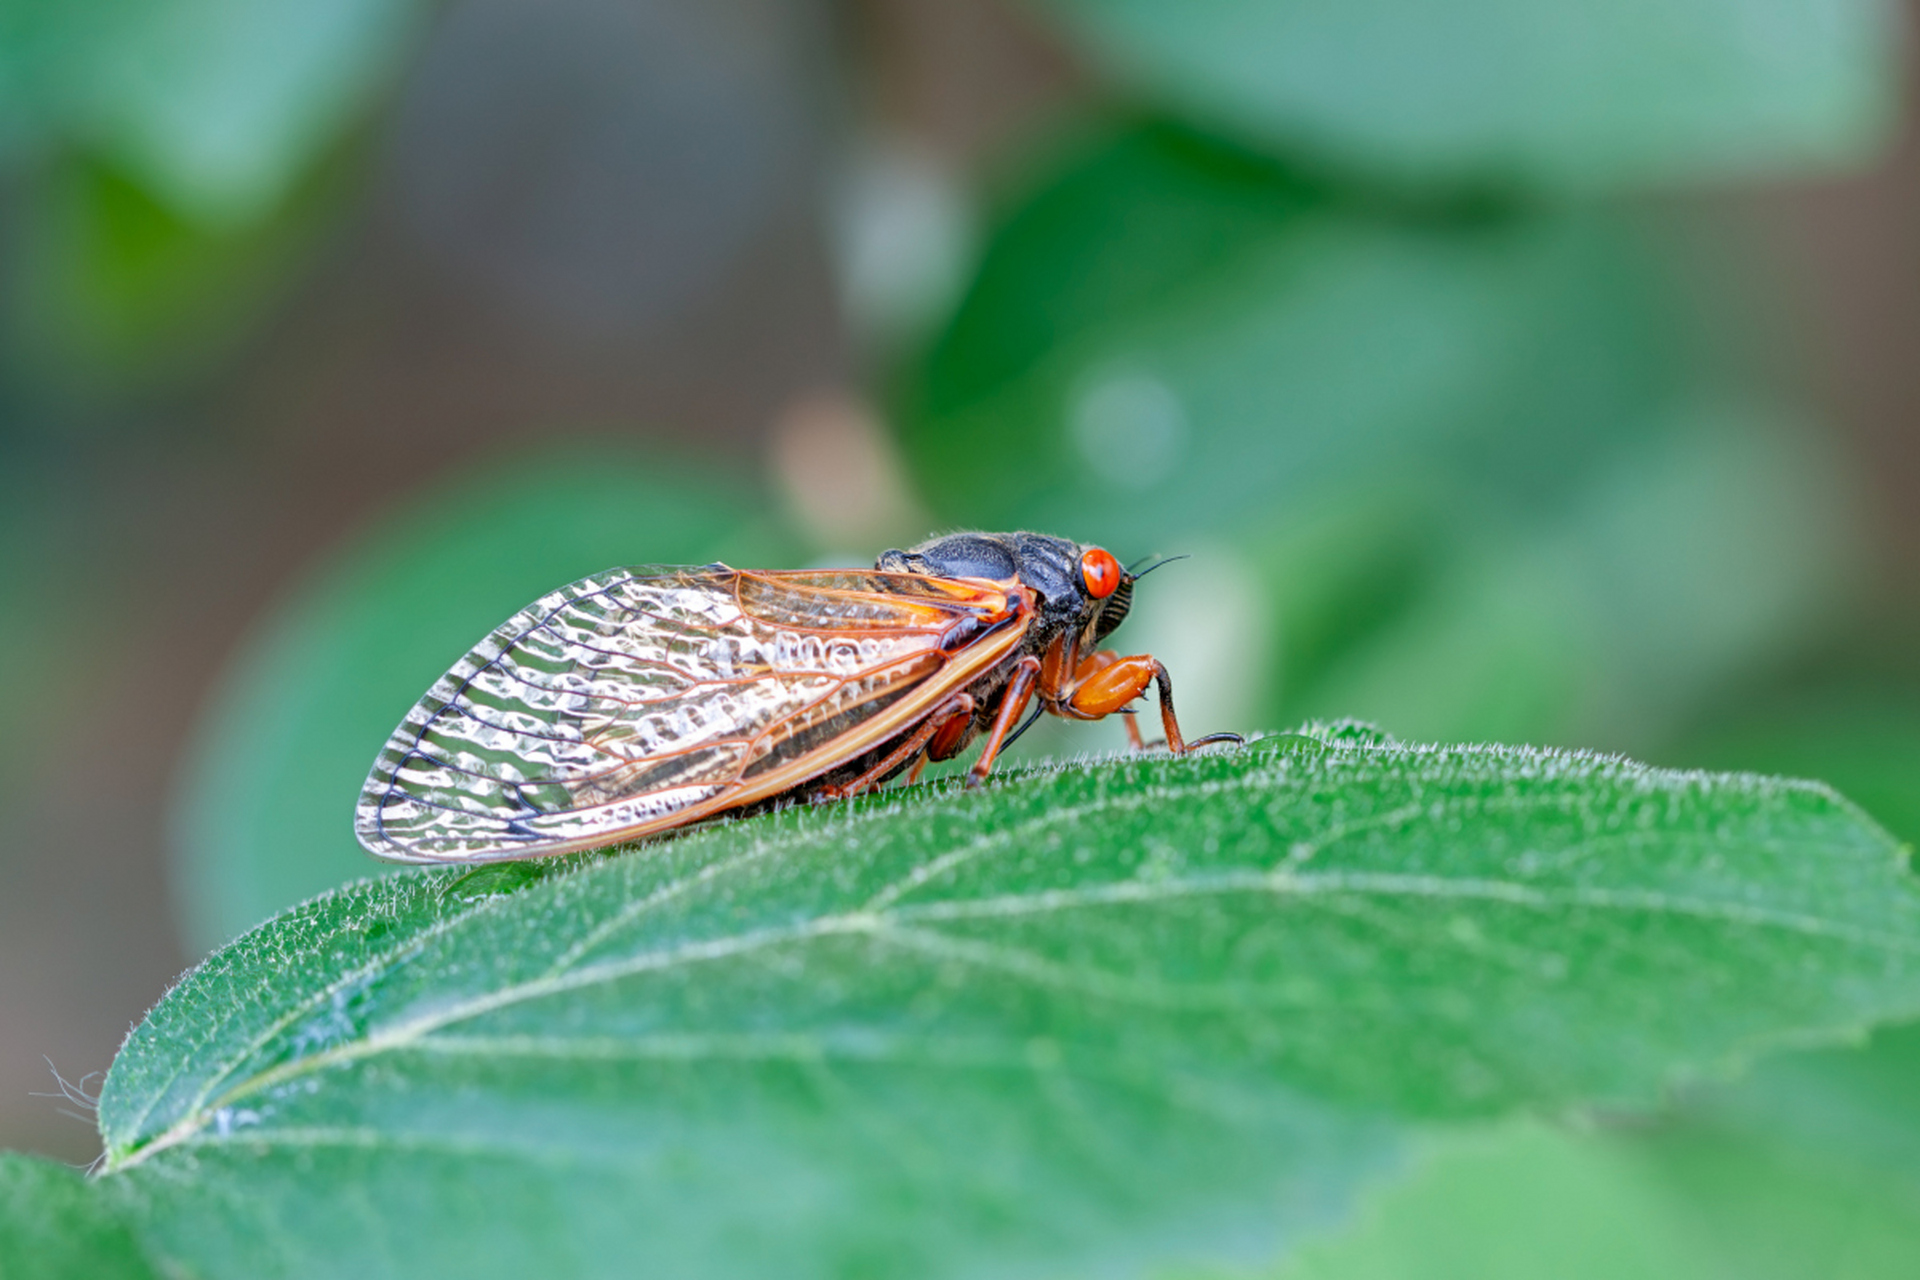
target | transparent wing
[{"x": 641, "y": 699}]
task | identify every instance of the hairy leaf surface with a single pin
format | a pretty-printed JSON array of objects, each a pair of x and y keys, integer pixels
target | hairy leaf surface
[{"x": 1119, "y": 1012}]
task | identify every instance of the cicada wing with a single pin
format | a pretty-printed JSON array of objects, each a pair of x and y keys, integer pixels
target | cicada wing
[{"x": 641, "y": 699}]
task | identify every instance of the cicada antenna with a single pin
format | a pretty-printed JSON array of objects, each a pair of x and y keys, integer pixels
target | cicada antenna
[{"x": 1157, "y": 564}]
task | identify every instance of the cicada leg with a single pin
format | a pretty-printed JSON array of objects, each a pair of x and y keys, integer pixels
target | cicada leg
[
  {"x": 951, "y": 738},
  {"x": 1087, "y": 668},
  {"x": 1019, "y": 692},
  {"x": 1104, "y": 683},
  {"x": 959, "y": 707}
]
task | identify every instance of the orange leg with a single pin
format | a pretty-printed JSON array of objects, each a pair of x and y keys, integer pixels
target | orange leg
[
  {"x": 1089, "y": 667},
  {"x": 951, "y": 739},
  {"x": 1092, "y": 665},
  {"x": 1116, "y": 681},
  {"x": 948, "y": 741},
  {"x": 958, "y": 707},
  {"x": 1019, "y": 692}
]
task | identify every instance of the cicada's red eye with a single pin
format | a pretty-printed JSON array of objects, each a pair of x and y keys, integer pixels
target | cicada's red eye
[{"x": 1101, "y": 572}]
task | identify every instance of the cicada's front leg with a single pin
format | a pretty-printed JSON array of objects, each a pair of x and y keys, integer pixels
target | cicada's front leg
[{"x": 1104, "y": 683}]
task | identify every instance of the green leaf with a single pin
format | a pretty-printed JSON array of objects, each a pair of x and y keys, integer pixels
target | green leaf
[
  {"x": 1580, "y": 93},
  {"x": 1845, "y": 1107},
  {"x": 1140, "y": 1009},
  {"x": 1166, "y": 335},
  {"x": 265, "y": 813},
  {"x": 1664, "y": 578},
  {"x": 1809, "y": 1165},
  {"x": 52, "y": 1227},
  {"x": 1469, "y": 473},
  {"x": 1523, "y": 1201},
  {"x": 1863, "y": 735},
  {"x": 114, "y": 290},
  {"x": 217, "y": 105}
]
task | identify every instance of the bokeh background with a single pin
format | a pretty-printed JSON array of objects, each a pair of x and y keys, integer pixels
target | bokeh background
[{"x": 1533, "y": 373}]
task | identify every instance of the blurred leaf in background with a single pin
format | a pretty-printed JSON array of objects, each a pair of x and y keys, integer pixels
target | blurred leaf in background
[
  {"x": 1847, "y": 1107},
  {"x": 115, "y": 291},
  {"x": 172, "y": 160},
  {"x": 53, "y": 1226},
  {"x": 1476, "y": 465},
  {"x": 1809, "y": 1167},
  {"x": 1575, "y": 94},
  {"x": 1523, "y": 1200},
  {"x": 265, "y": 814},
  {"x": 1860, "y": 730},
  {"x": 214, "y": 106}
]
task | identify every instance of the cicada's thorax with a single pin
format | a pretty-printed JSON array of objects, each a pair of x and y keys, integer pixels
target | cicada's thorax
[{"x": 1048, "y": 579}]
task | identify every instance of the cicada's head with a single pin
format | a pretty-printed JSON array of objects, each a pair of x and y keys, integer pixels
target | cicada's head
[{"x": 1079, "y": 588}]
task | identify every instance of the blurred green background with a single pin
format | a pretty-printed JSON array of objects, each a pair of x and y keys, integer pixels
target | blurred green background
[{"x": 1512, "y": 372}]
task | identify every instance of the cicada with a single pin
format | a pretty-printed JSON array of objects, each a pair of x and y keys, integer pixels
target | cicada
[{"x": 641, "y": 700}]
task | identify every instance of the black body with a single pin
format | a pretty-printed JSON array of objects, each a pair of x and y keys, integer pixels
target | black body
[
  {"x": 1049, "y": 565},
  {"x": 1063, "y": 605}
]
